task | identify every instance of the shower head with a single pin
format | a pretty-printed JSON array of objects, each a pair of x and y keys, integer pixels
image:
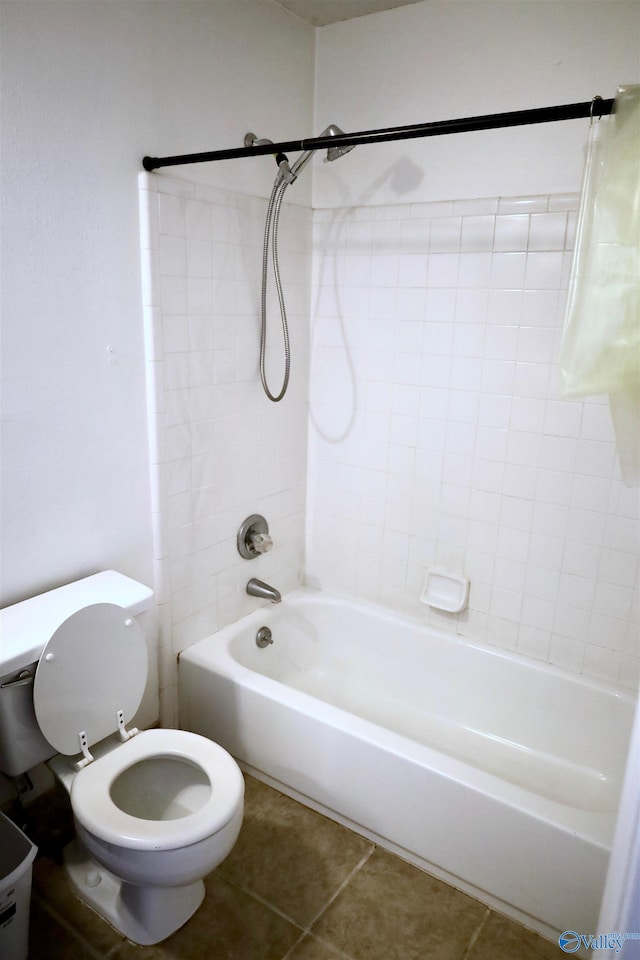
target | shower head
[{"x": 333, "y": 153}]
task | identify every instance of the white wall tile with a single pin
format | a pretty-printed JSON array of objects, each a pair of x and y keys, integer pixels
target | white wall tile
[
  {"x": 477, "y": 233},
  {"x": 508, "y": 270},
  {"x": 442, "y": 270},
  {"x": 511, "y": 233},
  {"x": 533, "y": 642},
  {"x": 215, "y": 444},
  {"x": 173, "y": 293},
  {"x": 543, "y": 271},
  {"x": 172, "y": 215},
  {"x": 445, "y": 234},
  {"x": 172, "y": 256},
  {"x": 439, "y": 432},
  {"x": 567, "y": 653},
  {"x": 601, "y": 664},
  {"x": 481, "y": 454},
  {"x": 474, "y": 270},
  {"x": 547, "y": 231}
]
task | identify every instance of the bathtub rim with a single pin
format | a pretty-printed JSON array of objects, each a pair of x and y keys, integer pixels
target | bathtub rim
[{"x": 308, "y": 593}]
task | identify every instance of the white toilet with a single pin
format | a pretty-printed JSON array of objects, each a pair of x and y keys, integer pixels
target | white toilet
[{"x": 155, "y": 811}]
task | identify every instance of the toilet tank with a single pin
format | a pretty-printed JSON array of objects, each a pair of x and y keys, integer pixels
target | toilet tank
[{"x": 25, "y": 629}]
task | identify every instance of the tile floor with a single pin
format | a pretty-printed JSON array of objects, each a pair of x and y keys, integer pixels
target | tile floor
[{"x": 296, "y": 886}]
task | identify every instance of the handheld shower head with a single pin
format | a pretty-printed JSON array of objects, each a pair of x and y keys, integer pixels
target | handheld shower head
[
  {"x": 333, "y": 153},
  {"x": 287, "y": 174}
]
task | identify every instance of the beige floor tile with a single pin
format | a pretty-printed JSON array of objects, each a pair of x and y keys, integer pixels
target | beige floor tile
[
  {"x": 258, "y": 796},
  {"x": 311, "y": 949},
  {"x": 50, "y": 941},
  {"x": 51, "y": 884},
  {"x": 293, "y": 858},
  {"x": 288, "y": 863},
  {"x": 392, "y": 911},
  {"x": 230, "y": 925},
  {"x": 130, "y": 951},
  {"x": 503, "y": 939}
]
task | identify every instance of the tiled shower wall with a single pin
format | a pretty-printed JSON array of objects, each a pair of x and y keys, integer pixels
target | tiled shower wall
[
  {"x": 220, "y": 450},
  {"x": 438, "y": 436}
]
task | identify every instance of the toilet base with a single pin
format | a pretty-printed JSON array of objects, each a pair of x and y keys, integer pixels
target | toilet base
[{"x": 144, "y": 915}]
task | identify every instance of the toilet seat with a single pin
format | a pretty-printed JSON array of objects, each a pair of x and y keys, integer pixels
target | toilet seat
[
  {"x": 94, "y": 665},
  {"x": 95, "y": 809},
  {"x": 90, "y": 679}
]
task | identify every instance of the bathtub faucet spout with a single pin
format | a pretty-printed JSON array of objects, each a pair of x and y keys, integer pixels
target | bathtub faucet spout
[{"x": 258, "y": 588}]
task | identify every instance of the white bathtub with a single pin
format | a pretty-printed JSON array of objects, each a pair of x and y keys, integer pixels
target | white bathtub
[{"x": 496, "y": 773}]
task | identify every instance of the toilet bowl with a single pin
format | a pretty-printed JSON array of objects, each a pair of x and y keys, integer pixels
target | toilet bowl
[
  {"x": 163, "y": 808},
  {"x": 153, "y": 816},
  {"x": 155, "y": 811}
]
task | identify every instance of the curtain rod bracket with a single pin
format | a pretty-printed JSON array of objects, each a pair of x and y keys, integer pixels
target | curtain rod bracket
[{"x": 597, "y": 99}]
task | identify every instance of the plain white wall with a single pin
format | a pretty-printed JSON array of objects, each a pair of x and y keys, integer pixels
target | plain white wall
[
  {"x": 441, "y": 60},
  {"x": 88, "y": 89}
]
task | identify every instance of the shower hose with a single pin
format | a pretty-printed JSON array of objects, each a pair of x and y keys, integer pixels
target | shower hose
[{"x": 271, "y": 233}]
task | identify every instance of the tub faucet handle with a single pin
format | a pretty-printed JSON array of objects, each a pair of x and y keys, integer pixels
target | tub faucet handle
[
  {"x": 253, "y": 537},
  {"x": 260, "y": 542}
]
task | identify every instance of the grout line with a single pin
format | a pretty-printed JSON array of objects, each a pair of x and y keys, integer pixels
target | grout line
[
  {"x": 294, "y": 945},
  {"x": 71, "y": 930},
  {"x": 340, "y": 954},
  {"x": 344, "y": 883},
  {"x": 306, "y": 931},
  {"x": 265, "y": 903},
  {"x": 476, "y": 933},
  {"x": 116, "y": 947}
]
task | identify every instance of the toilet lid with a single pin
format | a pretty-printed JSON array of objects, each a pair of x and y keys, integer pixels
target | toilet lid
[{"x": 93, "y": 665}]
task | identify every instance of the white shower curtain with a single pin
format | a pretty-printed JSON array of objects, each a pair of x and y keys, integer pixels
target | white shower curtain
[{"x": 600, "y": 348}]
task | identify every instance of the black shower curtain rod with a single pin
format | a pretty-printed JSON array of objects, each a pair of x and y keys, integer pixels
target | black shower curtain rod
[{"x": 568, "y": 111}]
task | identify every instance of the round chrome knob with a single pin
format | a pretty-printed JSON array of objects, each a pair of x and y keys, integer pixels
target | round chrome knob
[{"x": 263, "y": 637}]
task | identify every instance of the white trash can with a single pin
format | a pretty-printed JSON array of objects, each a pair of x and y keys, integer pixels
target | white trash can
[{"x": 17, "y": 854}]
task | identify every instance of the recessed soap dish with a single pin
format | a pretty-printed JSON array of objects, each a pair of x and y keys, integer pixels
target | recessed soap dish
[{"x": 445, "y": 591}]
